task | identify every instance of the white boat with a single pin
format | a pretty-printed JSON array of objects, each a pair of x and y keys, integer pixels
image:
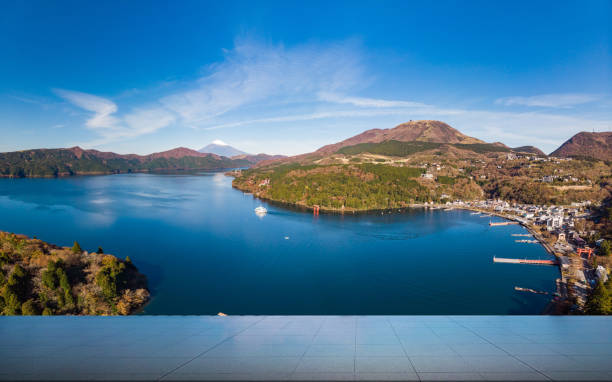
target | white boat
[{"x": 261, "y": 210}]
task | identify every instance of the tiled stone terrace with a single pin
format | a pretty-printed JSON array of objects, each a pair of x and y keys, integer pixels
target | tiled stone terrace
[{"x": 306, "y": 348}]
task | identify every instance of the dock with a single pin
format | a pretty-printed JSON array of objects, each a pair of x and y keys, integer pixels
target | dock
[
  {"x": 524, "y": 261},
  {"x": 529, "y": 290},
  {"x": 522, "y": 234},
  {"x": 502, "y": 223}
]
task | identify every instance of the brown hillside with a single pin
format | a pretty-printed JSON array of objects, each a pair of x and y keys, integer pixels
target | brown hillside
[
  {"x": 424, "y": 131},
  {"x": 593, "y": 145}
]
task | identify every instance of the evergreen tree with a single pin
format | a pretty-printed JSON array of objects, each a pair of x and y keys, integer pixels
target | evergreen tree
[
  {"x": 100, "y": 251},
  {"x": 76, "y": 248},
  {"x": 600, "y": 300}
]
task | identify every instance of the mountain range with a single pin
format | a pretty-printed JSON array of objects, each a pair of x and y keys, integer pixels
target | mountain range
[
  {"x": 404, "y": 139},
  {"x": 429, "y": 134}
]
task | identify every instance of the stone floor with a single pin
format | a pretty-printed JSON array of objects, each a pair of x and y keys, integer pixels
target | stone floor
[{"x": 425, "y": 348}]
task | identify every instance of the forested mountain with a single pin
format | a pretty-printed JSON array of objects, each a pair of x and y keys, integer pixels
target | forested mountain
[{"x": 76, "y": 161}]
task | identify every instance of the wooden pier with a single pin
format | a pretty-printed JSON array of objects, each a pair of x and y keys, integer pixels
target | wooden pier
[
  {"x": 502, "y": 223},
  {"x": 524, "y": 261}
]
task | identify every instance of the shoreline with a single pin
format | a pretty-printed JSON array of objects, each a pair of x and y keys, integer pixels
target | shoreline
[{"x": 552, "y": 307}]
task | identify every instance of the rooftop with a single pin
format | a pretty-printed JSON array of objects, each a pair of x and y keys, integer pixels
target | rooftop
[{"x": 307, "y": 348}]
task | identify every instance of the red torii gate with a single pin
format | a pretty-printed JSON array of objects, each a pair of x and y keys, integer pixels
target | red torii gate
[{"x": 588, "y": 251}]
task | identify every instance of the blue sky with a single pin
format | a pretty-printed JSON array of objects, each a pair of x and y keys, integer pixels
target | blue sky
[{"x": 282, "y": 78}]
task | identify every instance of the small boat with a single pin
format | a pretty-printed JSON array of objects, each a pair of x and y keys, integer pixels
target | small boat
[{"x": 260, "y": 211}]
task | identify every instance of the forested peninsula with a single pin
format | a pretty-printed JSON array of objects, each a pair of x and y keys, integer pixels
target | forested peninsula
[{"x": 40, "y": 278}]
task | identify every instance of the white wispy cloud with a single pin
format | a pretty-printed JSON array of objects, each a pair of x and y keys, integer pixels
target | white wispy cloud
[
  {"x": 251, "y": 73},
  {"x": 270, "y": 86},
  {"x": 104, "y": 121},
  {"x": 254, "y": 72},
  {"x": 561, "y": 100},
  {"x": 366, "y": 102}
]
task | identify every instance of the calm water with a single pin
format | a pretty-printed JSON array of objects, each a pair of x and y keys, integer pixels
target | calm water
[{"x": 205, "y": 251}]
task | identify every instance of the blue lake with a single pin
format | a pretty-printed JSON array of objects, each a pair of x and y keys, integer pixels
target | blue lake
[{"x": 205, "y": 251}]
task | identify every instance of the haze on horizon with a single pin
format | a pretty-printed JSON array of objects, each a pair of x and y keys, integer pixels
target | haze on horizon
[{"x": 136, "y": 77}]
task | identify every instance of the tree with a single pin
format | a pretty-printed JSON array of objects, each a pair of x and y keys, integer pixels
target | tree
[
  {"x": 599, "y": 301},
  {"x": 49, "y": 277},
  {"x": 29, "y": 308},
  {"x": 12, "y": 304},
  {"x": 100, "y": 251},
  {"x": 76, "y": 248},
  {"x": 605, "y": 248}
]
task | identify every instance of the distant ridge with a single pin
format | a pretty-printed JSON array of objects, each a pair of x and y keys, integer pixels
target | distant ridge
[
  {"x": 258, "y": 157},
  {"x": 584, "y": 144},
  {"x": 77, "y": 161},
  {"x": 530, "y": 150}
]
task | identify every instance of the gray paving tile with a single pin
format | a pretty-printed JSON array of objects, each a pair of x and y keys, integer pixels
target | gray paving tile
[
  {"x": 240, "y": 365},
  {"x": 229, "y": 349},
  {"x": 456, "y": 376},
  {"x": 386, "y": 377},
  {"x": 321, "y": 376},
  {"x": 271, "y": 340},
  {"x": 71, "y": 376},
  {"x": 579, "y": 376},
  {"x": 450, "y": 364},
  {"x": 516, "y": 376},
  {"x": 582, "y": 349},
  {"x": 546, "y": 363},
  {"x": 303, "y": 347},
  {"x": 334, "y": 339},
  {"x": 505, "y": 338},
  {"x": 476, "y": 349},
  {"x": 389, "y": 350},
  {"x": 462, "y": 338},
  {"x": 529, "y": 349},
  {"x": 321, "y": 350},
  {"x": 594, "y": 362},
  {"x": 373, "y": 339},
  {"x": 428, "y": 349},
  {"x": 418, "y": 338},
  {"x": 500, "y": 364},
  {"x": 326, "y": 364},
  {"x": 383, "y": 365},
  {"x": 263, "y": 376}
]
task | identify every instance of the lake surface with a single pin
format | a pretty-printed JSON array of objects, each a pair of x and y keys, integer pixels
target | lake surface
[{"x": 205, "y": 251}]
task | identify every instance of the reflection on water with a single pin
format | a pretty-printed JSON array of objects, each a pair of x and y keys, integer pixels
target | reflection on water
[{"x": 205, "y": 250}]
